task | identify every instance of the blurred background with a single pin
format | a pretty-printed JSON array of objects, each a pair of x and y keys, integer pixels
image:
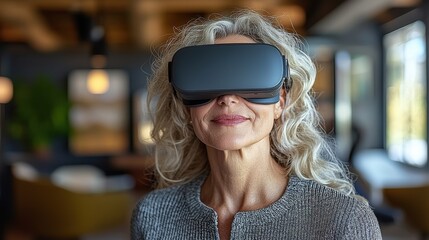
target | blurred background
[{"x": 75, "y": 150}]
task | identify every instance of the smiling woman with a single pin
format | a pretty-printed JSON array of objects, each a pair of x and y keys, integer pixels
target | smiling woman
[{"x": 233, "y": 166}]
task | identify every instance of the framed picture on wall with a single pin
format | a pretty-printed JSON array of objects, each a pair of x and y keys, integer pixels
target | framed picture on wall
[{"x": 99, "y": 113}]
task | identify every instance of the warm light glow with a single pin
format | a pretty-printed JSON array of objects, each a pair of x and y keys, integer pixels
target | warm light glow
[
  {"x": 98, "y": 81},
  {"x": 145, "y": 130},
  {"x": 6, "y": 90}
]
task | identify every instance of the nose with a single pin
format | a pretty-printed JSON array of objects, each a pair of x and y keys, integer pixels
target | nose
[{"x": 227, "y": 99}]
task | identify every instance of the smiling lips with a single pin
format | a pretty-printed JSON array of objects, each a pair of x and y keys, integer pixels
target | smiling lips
[{"x": 229, "y": 120}]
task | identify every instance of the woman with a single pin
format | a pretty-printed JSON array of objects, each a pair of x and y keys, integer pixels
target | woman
[{"x": 234, "y": 169}]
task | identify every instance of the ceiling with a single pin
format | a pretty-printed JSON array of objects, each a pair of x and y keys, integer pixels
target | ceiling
[{"x": 49, "y": 25}]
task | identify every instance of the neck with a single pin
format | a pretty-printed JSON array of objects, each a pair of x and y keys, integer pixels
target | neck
[{"x": 243, "y": 180}]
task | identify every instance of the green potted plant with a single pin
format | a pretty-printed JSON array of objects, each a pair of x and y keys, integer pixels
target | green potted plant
[{"x": 40, "y": 114}]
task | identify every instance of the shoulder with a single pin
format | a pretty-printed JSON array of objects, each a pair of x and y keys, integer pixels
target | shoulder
[
  {"x": 154, "y": 208},
  {"x": 161, "y": 200},
  {"x": 318, "y": 193},
  {"x": 351, "y": 214},
  {"x": 164, "y": 207}
]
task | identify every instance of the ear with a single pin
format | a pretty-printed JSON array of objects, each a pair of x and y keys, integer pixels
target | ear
[{"x": 280, "y": 105}]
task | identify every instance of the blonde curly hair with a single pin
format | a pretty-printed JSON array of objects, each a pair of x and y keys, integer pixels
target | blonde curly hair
[{"x": 297, "y": 142}]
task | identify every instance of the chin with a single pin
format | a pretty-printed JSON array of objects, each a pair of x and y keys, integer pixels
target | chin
[{"x": 238, "y": 143}]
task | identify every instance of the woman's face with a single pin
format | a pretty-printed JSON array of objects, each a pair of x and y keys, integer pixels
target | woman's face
[{"x": 229, "y": 122}]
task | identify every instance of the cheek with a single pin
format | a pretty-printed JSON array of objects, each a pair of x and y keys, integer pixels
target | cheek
[
  {"x": 198, "y": 115},
  {"x": 267, "y": 114}
]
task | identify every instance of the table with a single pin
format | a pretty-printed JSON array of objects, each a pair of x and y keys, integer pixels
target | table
[{"x": 376, "y": 169}]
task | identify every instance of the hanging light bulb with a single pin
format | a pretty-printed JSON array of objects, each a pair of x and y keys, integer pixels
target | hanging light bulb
[
  {"x": 97, "y": 81},
  {"x": 6, "y": 90}
]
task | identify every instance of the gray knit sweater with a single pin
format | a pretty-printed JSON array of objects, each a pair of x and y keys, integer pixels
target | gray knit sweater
[{"x": 307, "y": 210}]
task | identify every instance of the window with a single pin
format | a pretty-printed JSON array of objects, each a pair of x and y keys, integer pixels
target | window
[
  {"x": 354, "y": 98},
  {"x": 406, "y": 123}
]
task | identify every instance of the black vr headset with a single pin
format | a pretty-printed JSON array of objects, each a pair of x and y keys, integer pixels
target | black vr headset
[{"x": 254, "y": 71}]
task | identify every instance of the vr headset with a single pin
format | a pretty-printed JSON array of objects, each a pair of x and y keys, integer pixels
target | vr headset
[{"x": 254, "y": 71}]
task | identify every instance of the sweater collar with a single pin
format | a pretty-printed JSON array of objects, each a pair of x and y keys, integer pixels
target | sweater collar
[{"x": 199, "y": 210}]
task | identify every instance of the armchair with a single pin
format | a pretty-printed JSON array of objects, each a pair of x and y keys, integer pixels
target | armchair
[{"x": 47, "y": 210}]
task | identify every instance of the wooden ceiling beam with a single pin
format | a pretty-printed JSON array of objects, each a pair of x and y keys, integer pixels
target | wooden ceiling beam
[
  {"x": 144, "y": 23},
  {"x": 84, "y": 5},
  {"x": 151, "y": 28},
  {"x": 30, "y": 24}
]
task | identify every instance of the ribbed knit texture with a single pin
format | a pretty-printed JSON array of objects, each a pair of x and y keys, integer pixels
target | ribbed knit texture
[{"x": 307, "y": 210}]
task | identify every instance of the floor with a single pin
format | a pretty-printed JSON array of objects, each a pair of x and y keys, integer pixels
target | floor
[
  {"x": 120, "y": 233},
  {"x": 398, "y": 231}
]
